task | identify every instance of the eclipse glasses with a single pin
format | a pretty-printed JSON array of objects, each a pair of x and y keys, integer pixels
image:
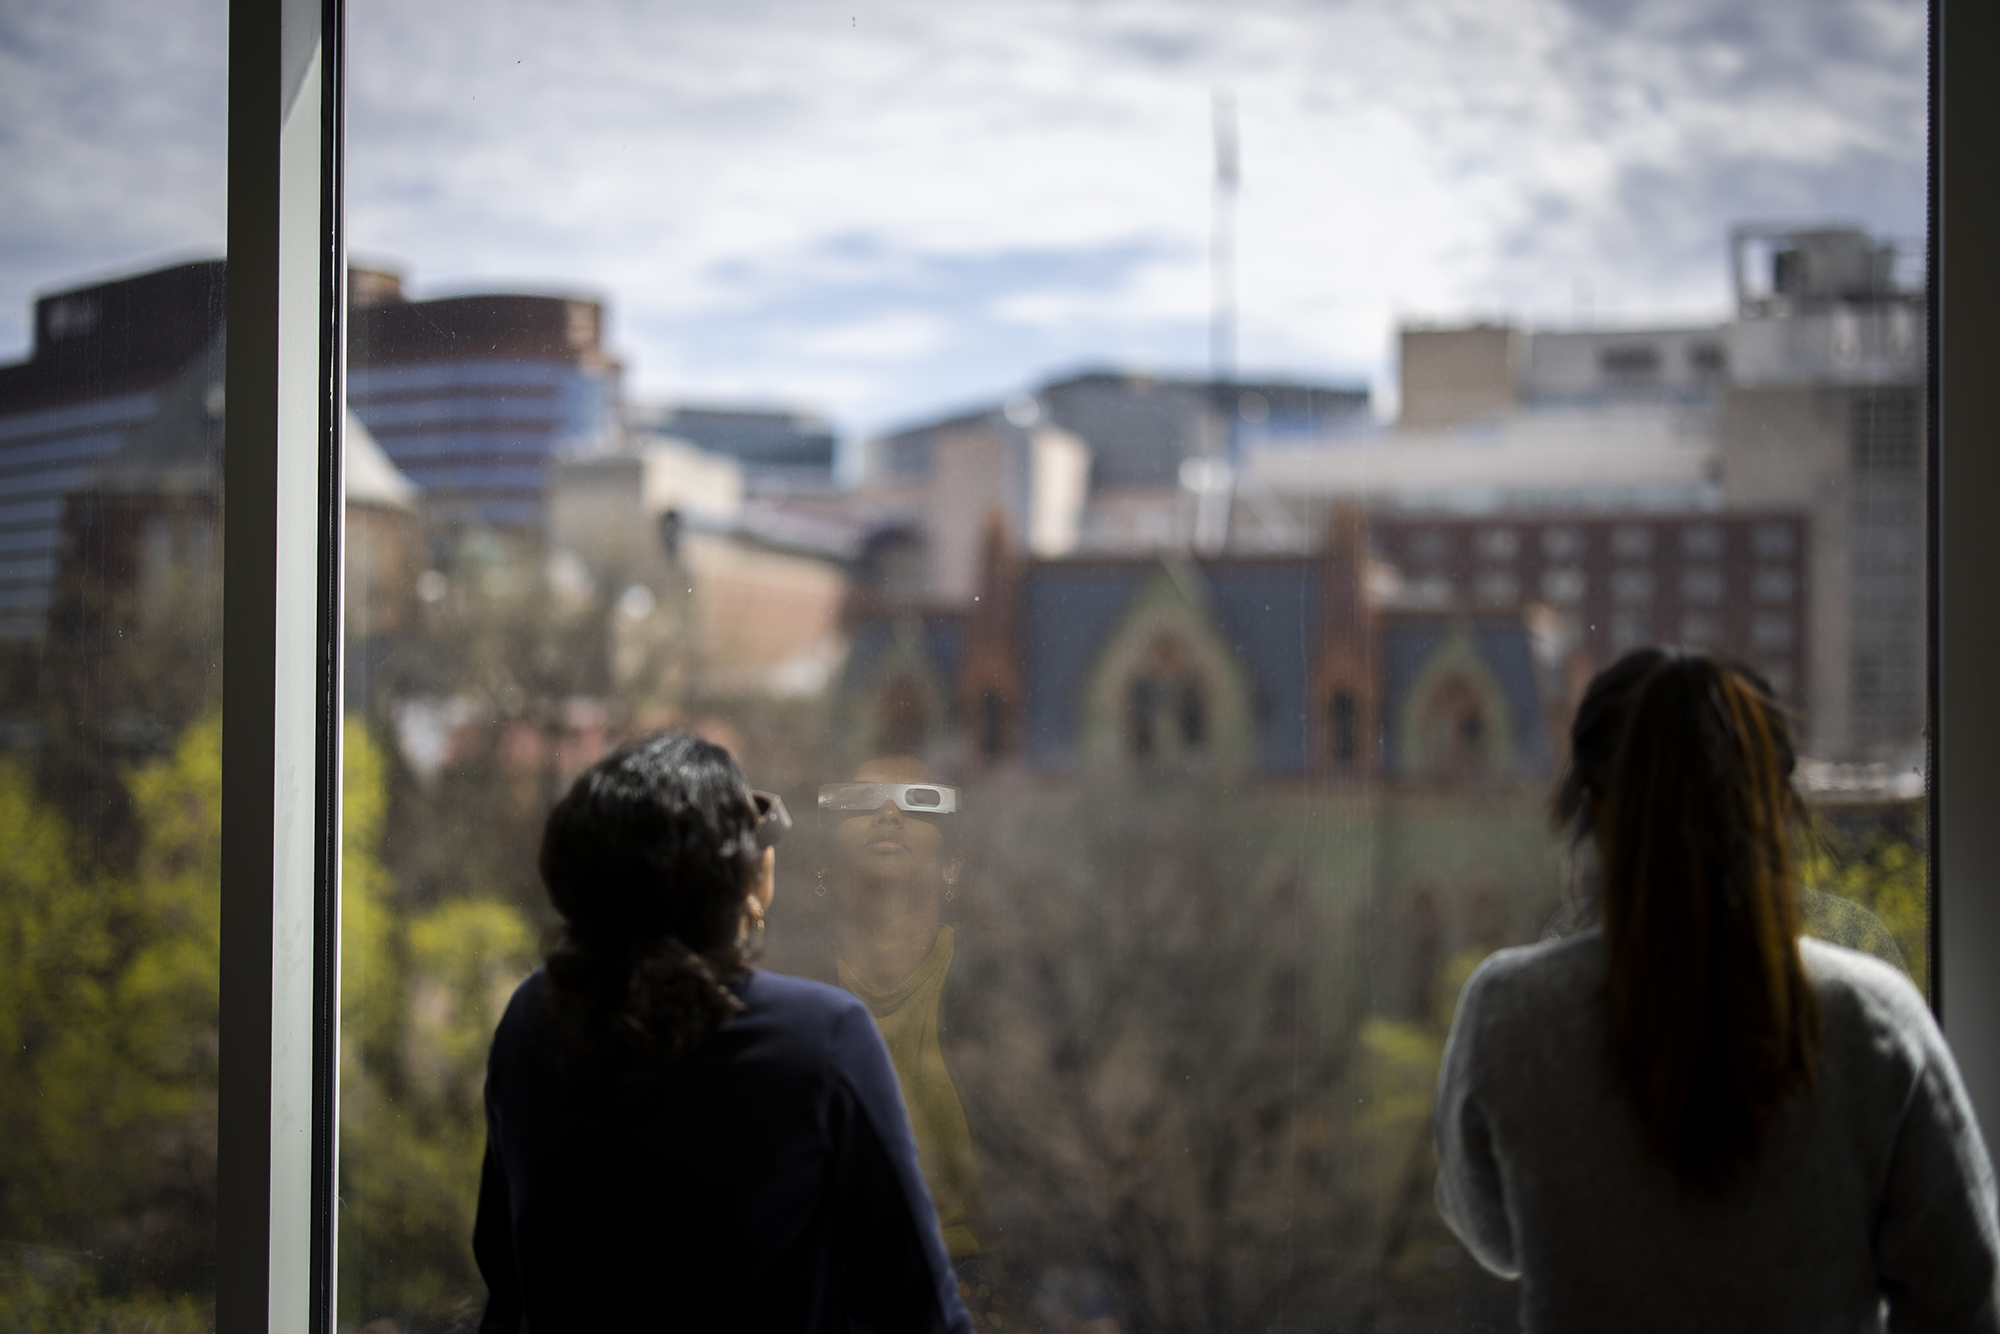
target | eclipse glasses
[
  {"x": 772, "y": 818},
  {"x": 915, "y": 798}
]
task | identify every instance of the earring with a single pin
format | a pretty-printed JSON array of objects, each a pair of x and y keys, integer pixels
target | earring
[
  {"x": 819, "y": 883},
  {"x": 950, "y": 893}
]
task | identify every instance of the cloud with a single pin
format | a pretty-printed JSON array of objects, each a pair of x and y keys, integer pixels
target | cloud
[
  {"x": 1001, "y": 191},
  {"x": 112, "y": 141}
]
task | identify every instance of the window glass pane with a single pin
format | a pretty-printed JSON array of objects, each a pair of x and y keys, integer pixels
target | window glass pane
[
  {"x": 1220, "y": 447},
  {"x": 111, "y": 406}
]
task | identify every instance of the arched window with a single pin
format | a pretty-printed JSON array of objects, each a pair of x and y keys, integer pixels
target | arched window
[
  {"x": 1343, "y": 719},
  {"x": 1455, "y": 726},
  {"x": 1166, "y": 706},
  {"x": 901, "y": 717},
  {"x": 1142, "y": 704},
  {"x": 1194, "y": 715},
  {"x": 992, "y": 724}
]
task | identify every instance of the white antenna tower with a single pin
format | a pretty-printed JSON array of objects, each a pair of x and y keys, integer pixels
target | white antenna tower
[{"x": 1222, "y": 244}]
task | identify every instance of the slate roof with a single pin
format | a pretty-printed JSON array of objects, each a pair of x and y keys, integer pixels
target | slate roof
[
  {"x": 1266, "y": 611},
  {"x": 1409, "y": 642}
]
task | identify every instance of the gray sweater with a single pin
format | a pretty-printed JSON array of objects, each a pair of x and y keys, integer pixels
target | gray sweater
[{"x": 1877, "y": 1192}]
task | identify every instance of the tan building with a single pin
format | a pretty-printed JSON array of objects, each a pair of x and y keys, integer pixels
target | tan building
[
  {"x": 1808, "y": 403},
  {"x": 1851, "y": 458},
  {"x": 384, "y": 549},
  {"x": 667, "y": 527},
  {"x": 949, "y": 480},
  {"x": 1453, "y": 376},
  {"x": 1824, "y": 413}
]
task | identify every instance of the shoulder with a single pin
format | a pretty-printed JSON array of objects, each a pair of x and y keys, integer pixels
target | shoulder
[
  {"x": 528, "y": 1009},
  {"x": 525, "y": 1037},
  {"x": 810, "y": 1025},
  {"x": 1528, "y": 978},
  {"x": 798, "y": 999},
  {"x": 1870, "y": 1000},
  {"x": 1525, "y": 1005},
  {"x": 1840, "y": 921},
  {"x": 804, "y": 1016}
]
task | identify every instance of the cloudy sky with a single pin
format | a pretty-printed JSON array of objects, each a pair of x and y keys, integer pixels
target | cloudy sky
[{"x": 886, "y": 209}]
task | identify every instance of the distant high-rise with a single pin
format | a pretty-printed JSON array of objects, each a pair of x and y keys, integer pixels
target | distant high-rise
[
  {"x": 103, "y": 360},
  {"x": 1825, "y": 412},
  {"x": 474, "y": 397},
  {"x": 782, "y": 451},
  {"x": 1110, "y": 473}
]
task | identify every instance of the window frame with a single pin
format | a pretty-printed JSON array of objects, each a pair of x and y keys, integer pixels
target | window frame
[
  {"x": 278, "y": 1113},
  {"x": 1964, "y": 547},
  {"x": 278, "y": 1093}
]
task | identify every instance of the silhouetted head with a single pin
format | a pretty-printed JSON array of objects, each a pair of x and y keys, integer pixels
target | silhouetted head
[
  {"x": 1601, "y": 719},
  {"x": 656, "y": 839},
  {"x": 651, "y": 859}
]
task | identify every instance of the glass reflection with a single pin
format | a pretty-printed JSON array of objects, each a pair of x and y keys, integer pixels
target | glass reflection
[
  {"x": 892, "y": 870},
  {"x": 1216, "y": 450},
  {"x": 112, "y": 351}
]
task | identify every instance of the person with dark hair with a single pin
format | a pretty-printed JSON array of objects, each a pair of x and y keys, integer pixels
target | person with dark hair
[
  {"x": 1686, "y": 1117},
  {"x": 675, "y": 1138},
  {"x": 1599, "y": 724}
]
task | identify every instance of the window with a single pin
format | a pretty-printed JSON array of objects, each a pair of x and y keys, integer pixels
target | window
[
  {"x": 992, "y": 724},
  {"x": 1631, "y": 361},
  {"x": 809, "y": 601},
  {"x": 113, "y": 389},
  {"x": 1632, "y": 585},
  {"x": 1498, "y": 544},
  {"x": 1565, "y": 584},
  {"x": 1166, "y": 708},
  {"x": 1702, "y": 584},
  {"x": 1184, "y": 626},
  {"x": 1562, "y": 543},
  {"x": 1701, "y": 541},
  {"x": 1345, "y": 726},
  {"x": 1498, "y": 587},
  {"x": 1632, "y": 542}
]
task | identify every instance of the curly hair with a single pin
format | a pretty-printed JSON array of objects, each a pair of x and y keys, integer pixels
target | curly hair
[{"x": 649, "y": 859}]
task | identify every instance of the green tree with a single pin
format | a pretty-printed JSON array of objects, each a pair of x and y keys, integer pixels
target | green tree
[
  {"x": 107, "y": 1017},
  {"x": 421, "y": 992},
  {"x": 1882, "y": 867}
]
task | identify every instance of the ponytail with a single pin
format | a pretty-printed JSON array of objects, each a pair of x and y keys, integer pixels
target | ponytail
[{"x": 1711, "y": 1023}]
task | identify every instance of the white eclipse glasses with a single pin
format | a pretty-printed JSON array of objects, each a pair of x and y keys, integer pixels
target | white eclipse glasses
[{"x": 915, "y": 798}]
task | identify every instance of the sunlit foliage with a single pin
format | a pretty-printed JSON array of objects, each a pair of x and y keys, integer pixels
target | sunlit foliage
[
  {"x": 1881, "y": 866},
  {"x": 421, "y": 991},
  {"x": 107, "y": 1046}
]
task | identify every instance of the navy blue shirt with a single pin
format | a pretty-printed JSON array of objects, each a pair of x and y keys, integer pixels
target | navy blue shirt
[{"x": 769, "y": 1182}]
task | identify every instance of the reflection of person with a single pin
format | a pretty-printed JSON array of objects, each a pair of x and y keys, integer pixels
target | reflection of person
[
  {"x": 893, "y": 867},
  {"x": 1690, "y": 1118},
  {"x": 674, "y": 1137}
]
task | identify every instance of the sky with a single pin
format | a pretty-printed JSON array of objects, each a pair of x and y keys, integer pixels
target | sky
[{"x": 883, "y": 211}]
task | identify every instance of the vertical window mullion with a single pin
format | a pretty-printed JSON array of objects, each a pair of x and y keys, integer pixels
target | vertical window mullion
[
  {"x": 281, "y": 641},
  {"x": 1965, "y": 544}
]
